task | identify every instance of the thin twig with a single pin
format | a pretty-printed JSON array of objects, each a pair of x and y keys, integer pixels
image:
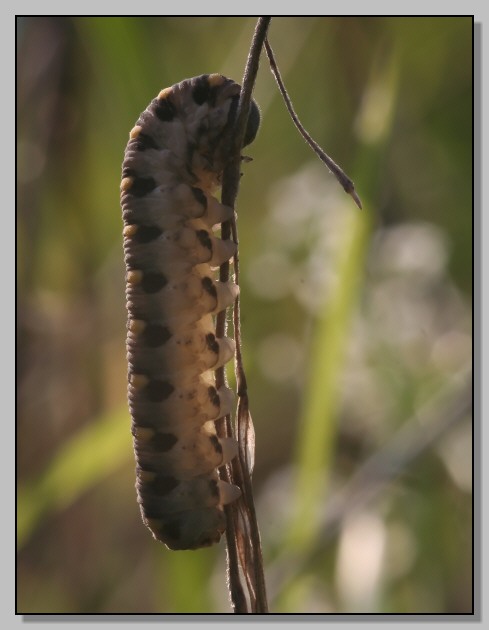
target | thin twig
[
  {"x": 242, "y": 534},
  {"x": 244, "y": 428},
  {"x": 340, "y": 175}
]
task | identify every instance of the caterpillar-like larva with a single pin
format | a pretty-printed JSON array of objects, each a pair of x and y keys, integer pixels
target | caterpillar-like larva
[{"x": 172, "y": 166}]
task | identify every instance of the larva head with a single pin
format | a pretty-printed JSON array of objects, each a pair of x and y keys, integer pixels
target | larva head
[
  {"x": 230, "y": 90},
  {"x": 211, "y": 123},
  {"x": 253, "y": 124}
]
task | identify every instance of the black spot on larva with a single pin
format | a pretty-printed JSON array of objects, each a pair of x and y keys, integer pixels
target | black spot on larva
[
  {"x": 201, "y": 90},
  {"x": 150, "y": 511},
  {"x": 158, "y": 391},
  {"x": 143, "y": 142},
  {"x": 147, "y": 233},
  {"x": 164, "y": 109},
  {"x": 209, "y": 287},
  {"x": 163, "y": 442},
  {"x": 211, "y": 342},
  {"x": 170, "y": 532},
  {"x": 142, "y": 422},
  {"x": 153, "y": 281},
  {"x": 214, "y": 396},
  {"x": 155, "y": 335},
  {"x": 127, "y": 171},
  {"x": 215, "y": 443},
  {"x": 214, "y": 489},
  {"x": 146, "y": 118},
  {"x": 209, "y": 540},
  {"x": 199, "y": 196},
  {"x": 129, "y": 216},
  {"x": 163, "y": 485},
  {"x": 141, "y": 186},
  {"x": 148, "y": 467},
  {"x": 205, "y": 239}
]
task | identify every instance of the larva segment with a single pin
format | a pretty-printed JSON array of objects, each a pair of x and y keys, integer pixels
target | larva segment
[{"x": 172, "y": 166}]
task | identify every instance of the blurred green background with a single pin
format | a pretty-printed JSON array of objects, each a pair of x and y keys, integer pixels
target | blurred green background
[{"x": 356, "y": 325}]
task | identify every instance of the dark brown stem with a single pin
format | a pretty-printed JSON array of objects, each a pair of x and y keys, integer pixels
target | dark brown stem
[
  {"x": 244, "y": 550},
  {"x": 244, "y": 421}
]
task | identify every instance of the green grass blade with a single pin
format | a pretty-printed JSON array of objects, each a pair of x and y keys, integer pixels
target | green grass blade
[{"x": 91, "y": 455}]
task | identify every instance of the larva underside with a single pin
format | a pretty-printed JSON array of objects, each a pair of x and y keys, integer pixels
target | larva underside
[{"x": 172, "y": 165}]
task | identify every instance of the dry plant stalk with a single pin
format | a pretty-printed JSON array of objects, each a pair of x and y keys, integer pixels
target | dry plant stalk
[{"x": 242, "y": 535}]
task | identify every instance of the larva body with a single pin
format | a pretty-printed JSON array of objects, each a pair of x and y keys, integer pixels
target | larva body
[{"x": 172, "y": 165}]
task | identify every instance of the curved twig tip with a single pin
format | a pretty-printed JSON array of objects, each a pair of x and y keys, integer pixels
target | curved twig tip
[{"x": 340, "y": 175}]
